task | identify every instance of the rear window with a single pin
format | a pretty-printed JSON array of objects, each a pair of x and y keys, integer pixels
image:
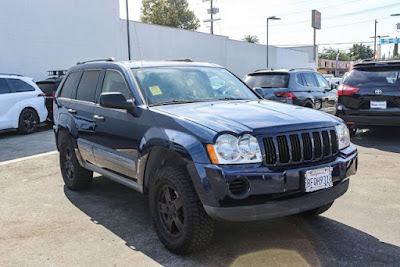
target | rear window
[
  {"x": 20, "y": 86},
  {"x": 268, "y": 80},
  {"x": 373, "y": 76},
  {"x": 4, "y": 87},
  {"x": 69, "y": 85},
  {"x": 47, "y": 87},
  {"x": 87, "y": 86}
]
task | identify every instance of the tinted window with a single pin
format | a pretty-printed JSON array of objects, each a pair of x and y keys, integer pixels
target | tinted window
[
  {"x": 309, "y": 79},
  {"x": 47, "y": 87},
  {"x": 4, "y": 87},
  {"x": 115, "y": 82},
  {"x": 268, "y": 80},
  {"x": 322, "y": 81},
  {"x": 87, "y": 86},
  {"x": 69, "y": 85},
  {"x": 20, "y": 86},
  {"x": 373, "y": 76},
  {"x": 299, "y": 79}
]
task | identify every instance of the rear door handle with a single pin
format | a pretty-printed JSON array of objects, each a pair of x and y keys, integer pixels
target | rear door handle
[
  {"x": 98, "y": 118},
  {"x": 72, "y": 111}
]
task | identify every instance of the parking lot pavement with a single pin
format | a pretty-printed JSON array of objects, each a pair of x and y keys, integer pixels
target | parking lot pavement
[
  {"x": 14, "y": 145},
  {"x": 43, "y": 223}
]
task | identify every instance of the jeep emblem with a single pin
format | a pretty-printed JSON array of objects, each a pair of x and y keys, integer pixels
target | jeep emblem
[{"x": 378, "y": 91}]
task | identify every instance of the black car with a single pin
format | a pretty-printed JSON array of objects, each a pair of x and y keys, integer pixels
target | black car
[
  {"x": 200, "y": 143},
  {"x": 370, "y": 95},
  {"x": 49, "y": 88},
  {"x": 302, "y": 87}
]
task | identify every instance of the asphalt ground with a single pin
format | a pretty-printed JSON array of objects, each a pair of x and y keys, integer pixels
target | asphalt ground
[{"x": 43, "y": 223}]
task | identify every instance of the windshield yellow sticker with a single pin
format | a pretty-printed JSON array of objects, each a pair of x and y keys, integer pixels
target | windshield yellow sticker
[{"x": 155, "y": 90}]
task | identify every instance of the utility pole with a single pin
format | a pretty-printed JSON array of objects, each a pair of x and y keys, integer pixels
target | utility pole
[
  {"x": 212, "y": 17},
  {"x": 273, "y": 18},
  {"x": 127, "y": 30},
  {"x": 376, "y": 22},
  {"x": 212, "y": 11}
]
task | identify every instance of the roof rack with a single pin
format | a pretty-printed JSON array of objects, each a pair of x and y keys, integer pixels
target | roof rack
[
  {"x": 57, "y": 73},
  {"x": 110, "y": 59},
  {"x": 263, "y": 69},
  {"x": 300, "y": 69},
  {"x": 181, "y": 60},
  {"x": 11, "y": 74}
]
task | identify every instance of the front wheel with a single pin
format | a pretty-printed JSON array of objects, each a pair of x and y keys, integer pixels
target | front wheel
[{"x": 179, "y": 219}]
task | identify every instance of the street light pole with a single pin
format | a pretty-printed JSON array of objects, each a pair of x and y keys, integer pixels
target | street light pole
[
  {"x": 376, "y": 22},
  {"x": 272, "y": 18}
]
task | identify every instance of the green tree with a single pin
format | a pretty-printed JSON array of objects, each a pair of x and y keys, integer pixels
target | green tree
[
  {"x": 251, "y": 39},
  {"x": 330, "y": 53},
  {"x": 360, "y": 51},
  {"x": 173, "y": 13}
]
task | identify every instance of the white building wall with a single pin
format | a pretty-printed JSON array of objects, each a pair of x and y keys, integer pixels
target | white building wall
[{"x": 42, "y": 35}]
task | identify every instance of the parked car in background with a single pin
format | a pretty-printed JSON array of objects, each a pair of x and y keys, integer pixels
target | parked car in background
[
  {"x": 335, "y": 81},
  {"x": 49, "y": 88},
  {"x": 370, "y": 95},
  {"x": 21, "y": 104},
  {"x": 200, "y": 143},
  {"x": 302, "y": 87}
]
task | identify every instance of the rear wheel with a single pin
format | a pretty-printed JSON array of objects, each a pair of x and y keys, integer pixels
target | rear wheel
[
  {"x": 316, "y": 211},
  {"x": 75, "y": 176},
  {"x": 179, "y": 219},
  {"x": 28, "y": 121}
]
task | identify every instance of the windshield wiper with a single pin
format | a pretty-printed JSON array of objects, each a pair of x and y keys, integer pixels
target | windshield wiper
[{"x": 232, "y": 98}]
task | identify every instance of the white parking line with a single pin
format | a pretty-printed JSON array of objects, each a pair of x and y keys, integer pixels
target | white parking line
[{"x": 26, "y": 158}]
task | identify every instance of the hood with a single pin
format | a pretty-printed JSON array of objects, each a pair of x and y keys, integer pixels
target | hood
[{"x": 256, "y": 117}]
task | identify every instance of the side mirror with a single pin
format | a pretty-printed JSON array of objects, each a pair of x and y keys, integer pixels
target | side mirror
[{"x": 116, "y": 100}]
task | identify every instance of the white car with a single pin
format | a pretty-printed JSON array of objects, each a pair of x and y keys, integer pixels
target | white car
[{"x": 22, "y": 104}]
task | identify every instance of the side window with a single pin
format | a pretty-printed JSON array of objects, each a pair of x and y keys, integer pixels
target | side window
[
  {"x": 309, "y": 79},
  {"x": 299, "y": 79},
  {"x": 4, "y": 87},
  {"x": 87, "y": 86},
  {"x": 115, "y": 82},
  {"x": 322, "y": 81},
  {"x": 69, "y": 84},
  {"x": 20, "y": 86}
]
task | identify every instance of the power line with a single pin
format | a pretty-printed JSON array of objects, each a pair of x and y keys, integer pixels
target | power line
[
  {"x": 288, "y": 45},
  {"x": 324, "y": 7}
]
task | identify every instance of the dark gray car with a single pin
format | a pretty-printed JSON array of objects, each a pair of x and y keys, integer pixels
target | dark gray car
[{"x": 302, "y": 87}]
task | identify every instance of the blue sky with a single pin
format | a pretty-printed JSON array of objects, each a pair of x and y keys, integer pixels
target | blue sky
[{"x": 342, "y": 21}]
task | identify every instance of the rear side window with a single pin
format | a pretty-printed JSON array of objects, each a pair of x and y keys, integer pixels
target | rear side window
[
  {"x": 268, "y": 80},
  {"x": 309, "y": 79},
  {"x": 20, "y": 86},
  {"x": 4, "y": 87},
  {"x": 87, "y": 86},
  {"x": 300, "y": 80},
  {"x": 69, "y": 85},
  {"x": 373, "y": 76}
]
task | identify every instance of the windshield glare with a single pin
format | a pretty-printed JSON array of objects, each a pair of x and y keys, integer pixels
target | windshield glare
[{"x": 176, "y": 84}]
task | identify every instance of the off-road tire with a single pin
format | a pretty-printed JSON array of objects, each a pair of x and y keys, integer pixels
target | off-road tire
[
  {"x": 316, "y": 211},
  {"x": 197, "y": 227},
  {"x": 75, "y": 176},
  {"x": 28, "y": 121}
]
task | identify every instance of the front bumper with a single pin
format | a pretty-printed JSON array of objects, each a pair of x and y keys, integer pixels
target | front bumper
[
  {"x": 272, "y": 193},
  {"x": 279, "y": 208}
]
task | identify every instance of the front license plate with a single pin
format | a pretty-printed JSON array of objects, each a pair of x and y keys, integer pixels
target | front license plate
[
  {"x": 318, "y": 179},
  {"x": 378, "y": 104}
]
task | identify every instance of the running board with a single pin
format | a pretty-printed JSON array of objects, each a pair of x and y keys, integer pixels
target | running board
[{"x": 115, "y": 177}]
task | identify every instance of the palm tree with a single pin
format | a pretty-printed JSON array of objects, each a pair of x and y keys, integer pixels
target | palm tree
[{"x": 251, "y": 39}]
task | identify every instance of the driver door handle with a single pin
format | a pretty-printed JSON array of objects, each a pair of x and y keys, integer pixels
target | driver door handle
[
  {"x": 98, "y": 118},
  {"x": 72, "y": 111}
]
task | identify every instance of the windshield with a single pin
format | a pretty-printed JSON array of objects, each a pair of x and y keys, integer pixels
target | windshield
[
  {"x": 365, "y": 77},
  {"x": 267, "y": 80},
  {"x": 189, "y": 84}
]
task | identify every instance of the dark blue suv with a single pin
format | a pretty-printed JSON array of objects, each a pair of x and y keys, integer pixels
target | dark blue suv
[{"x": 200, "y": 143}]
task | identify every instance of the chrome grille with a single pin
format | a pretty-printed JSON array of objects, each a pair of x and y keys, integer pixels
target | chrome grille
[{"x": 300, "y": 147}]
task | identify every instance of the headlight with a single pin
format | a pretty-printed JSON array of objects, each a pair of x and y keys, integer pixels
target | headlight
[
  {"x": 229, "y": 149},
  {"x": 343, "y": 136}
]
